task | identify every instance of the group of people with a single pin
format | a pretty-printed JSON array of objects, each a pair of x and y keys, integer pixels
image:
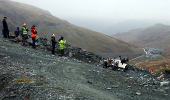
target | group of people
[
  {"x": 24, "y": 34},
  {"x": 61, "y": 43}
]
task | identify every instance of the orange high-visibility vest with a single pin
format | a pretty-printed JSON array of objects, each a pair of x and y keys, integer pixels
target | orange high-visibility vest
[
  {"x": 150, "y": 70},
  {"x": 33, "y": 35}
]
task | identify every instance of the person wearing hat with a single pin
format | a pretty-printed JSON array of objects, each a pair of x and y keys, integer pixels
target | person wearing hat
[
  {"x": 5, "y": 28},
  {"x": 62, "y": 45},
  {"x": 53, "y": 43},
  {"x": 24, "y": 33},
  {"x": 33, "y": 35}
]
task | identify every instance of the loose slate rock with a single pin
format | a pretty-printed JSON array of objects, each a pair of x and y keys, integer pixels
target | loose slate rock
[
  {"x": 165, "y": 83},
  {"x": 89, "y": 82},
  {"x": 115, "y": 86},
  {"x": 138, "y": 93},
  {"x": 109, "y": 88}
]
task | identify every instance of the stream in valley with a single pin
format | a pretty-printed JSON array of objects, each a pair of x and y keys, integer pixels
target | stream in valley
[{"x": 150, "y": 53}]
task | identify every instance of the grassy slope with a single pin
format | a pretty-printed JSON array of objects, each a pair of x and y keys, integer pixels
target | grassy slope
[
  {"x": 47, "y": 24},
  {"x": 157, "y": 65},
  {"x": 166, "y": 52}
]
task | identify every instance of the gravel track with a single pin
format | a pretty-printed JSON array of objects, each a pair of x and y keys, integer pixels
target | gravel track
[{"x": 79, "y": 80}]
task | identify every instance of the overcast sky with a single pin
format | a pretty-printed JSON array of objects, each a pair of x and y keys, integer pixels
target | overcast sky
[
  {"x": 105, "y": 10},
  {"x": 102, "y": 9}
]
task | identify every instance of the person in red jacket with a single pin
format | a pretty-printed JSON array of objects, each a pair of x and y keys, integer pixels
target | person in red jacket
[{"x": 33, "y": 35}]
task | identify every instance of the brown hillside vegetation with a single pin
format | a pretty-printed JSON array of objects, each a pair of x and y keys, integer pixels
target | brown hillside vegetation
[
  {"x": 46, "y": 24},
  {"x": 157, "y": 65},
  {"x": 166, "y": 52}
]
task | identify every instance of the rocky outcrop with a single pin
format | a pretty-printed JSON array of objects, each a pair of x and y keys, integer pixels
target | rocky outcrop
[{"x": 70, "y": 51}]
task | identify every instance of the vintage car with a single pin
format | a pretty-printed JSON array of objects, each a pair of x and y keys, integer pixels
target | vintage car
[{"x": 115, "y": 64}]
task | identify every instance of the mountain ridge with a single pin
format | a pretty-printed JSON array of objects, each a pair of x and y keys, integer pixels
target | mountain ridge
[
  {"x": 131, "y": 24},
  {"x": 46, "y": 24},
  {"x": 156, "y": 35},
  {"x": 153, "y": 36}
]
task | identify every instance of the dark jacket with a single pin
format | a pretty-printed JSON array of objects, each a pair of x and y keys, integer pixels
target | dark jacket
[
  {"x": 124, "y": 61},
  {"x": 53, "y": 40},
  {"x": 17, "y": 33},
  {"x": 59, "y": 40},
  {"x": 5, "y": 25}
]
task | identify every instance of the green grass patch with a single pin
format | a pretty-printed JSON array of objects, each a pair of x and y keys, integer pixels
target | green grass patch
[
  {"x": 22, "y": 80},
  {"x": 55, "y": 87}
]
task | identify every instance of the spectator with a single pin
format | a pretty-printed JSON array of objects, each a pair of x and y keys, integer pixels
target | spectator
[
  {"x": 5, "y": 28},
  {"x": 33, "y": 36},
  {"x": 17, "y": 32},
  {"x": 120, "y": 58},
  {"x": 62, "y": 46},
  {"x": 53, "y": 44},
  {"x": 24, "y": 32}
]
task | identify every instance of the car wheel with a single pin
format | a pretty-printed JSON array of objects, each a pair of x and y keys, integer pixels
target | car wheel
[
  {"x": 126, "y": 68},
  {"x": 114, "y": 68},
  {"x": 105, "y": 65}
]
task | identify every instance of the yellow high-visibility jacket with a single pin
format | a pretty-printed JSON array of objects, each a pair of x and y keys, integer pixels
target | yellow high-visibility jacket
[
  {"x": 62, "y": 44},
  {"x": 24, "y": 30}
]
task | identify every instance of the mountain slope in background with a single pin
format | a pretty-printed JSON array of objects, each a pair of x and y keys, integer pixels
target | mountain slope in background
[
  {"x": 154, "y": 36},
  {"x": 132, "y": 24},
  {"x": 157, "y": 35},
  {"x": 46, "y": 24}
]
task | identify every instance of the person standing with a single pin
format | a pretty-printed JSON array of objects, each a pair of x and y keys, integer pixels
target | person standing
[
  {"x": 19, "y": 38},
  {"x": 5, "y": 28},
  {"x": 120, "y": 58},
  {"x": 17, "y": 32},
  {"x": 53, "y": 44},
  {"x": 24, "y": 32},
  {"x": 62, "y": 45},
  {"x": 33, "y": 35}
]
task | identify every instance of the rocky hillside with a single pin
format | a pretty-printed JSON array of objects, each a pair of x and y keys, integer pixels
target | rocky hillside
[
  {"x": 29, "y": 74},
  {"x": 46, "y": 24},
  {"x": 153, "y": 36}
]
